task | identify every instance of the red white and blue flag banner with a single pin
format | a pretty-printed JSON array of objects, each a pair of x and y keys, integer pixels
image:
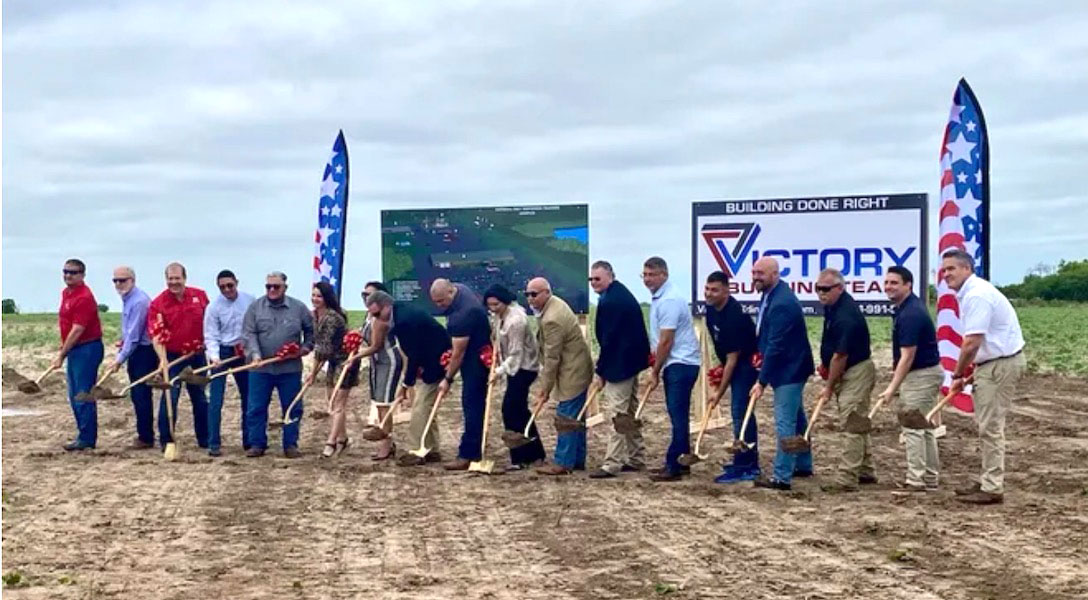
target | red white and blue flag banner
[
  {"x": 332, "y": 217},
  {"x": 964, "y": 219}
]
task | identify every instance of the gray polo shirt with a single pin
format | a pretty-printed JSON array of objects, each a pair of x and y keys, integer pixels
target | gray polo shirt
[{"x": 269, "y": 325}]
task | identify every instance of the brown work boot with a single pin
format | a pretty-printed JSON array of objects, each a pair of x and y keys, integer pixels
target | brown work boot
[
  {"x": 981, "y": 497},
  {"x": 554, "y": 470},
  {"x": 292, "y": 452},
  {"x": 459, "y": 464},
  {"x": 138, "y": 444},
  {"x": 969, "y": 489},
  {"x": 410, "y": 460}
]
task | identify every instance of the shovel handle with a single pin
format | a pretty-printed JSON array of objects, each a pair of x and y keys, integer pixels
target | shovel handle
[
  {"x": 389, "y": 413},
  {"x": 815, "y": 415},
  {"x": 642, "y": 401},
  {"x": 430, "y": 419},
  {"x": 589, "y": 400},
  {"x": 354, "y": 356},
  {"x": 747, "y": 415},
  {"x": 207, "y": 368},
  {"x": 532, "y": 417},
  {"x": 876, "y": 407},
  {"x": 302, "y": 392},
  {"x": 702, "y": 427},
  {"x": 944, "y": 401},
  {"x": 252, "y": 365},
  {"x": 487, "y": 398},
  {"x": 147, "y": 377},
  {"x": 41, "y": 377}
]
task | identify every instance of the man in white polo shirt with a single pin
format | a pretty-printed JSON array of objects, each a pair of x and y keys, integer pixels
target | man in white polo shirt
[{"x": 993, "y": 342}]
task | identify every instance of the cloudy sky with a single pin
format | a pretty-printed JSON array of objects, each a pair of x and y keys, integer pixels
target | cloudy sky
[{"x": 143, "y": 132}]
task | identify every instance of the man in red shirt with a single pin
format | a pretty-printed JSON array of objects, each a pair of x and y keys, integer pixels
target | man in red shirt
[
  {"x": 81, "y": 344},
  {"x": 181, "y": 311}
]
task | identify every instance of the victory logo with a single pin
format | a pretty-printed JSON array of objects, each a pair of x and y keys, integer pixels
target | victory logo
[{"x": 730, "y": 243}]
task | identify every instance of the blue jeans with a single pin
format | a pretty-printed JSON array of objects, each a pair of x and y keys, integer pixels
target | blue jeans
[
  {"x": 287, "y": 386},
  {"x": 679, "y": 380},
  {"x": 142, "y": 361},
  {"x": 82, "y": 372},
  {"x": 473, "y": 398},
  {"x": 739, "y": 387},
  {"x": 215, "y": 405},
  {"x": 570, "y": 447},
  {"x": 196, "y": 397},
  {"x": 789, "y": 420}
]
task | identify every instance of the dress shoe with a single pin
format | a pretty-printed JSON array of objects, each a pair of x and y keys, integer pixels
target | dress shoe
[
  {"x": 254, "y": 452},
  {"x": 602, "y": 474},
  {"x": 836, "y": 487},
  {"x": 772, "y": 484},
  {"x": 410, "y": 460},
  {"x": 967, "y": 490},
  {"x": 553, "y": 470},
  {"x": 292, "y": 452},
  {"x": 665, "y": 475},
  {"x": 433, "y": 457},
  {"x": 867, "y": 480},
  {"x": 460, "y": 464},
  {"x": 214, "y": 452},
  {"x": 981, "y": 497},
  {"x": 138, "y": 444},
  {"x": 631, "y": 469},
  {"x": 803, "y": 473}
]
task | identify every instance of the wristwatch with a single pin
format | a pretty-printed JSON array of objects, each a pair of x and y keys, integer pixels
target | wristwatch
[{"x": 449, "y": 379}]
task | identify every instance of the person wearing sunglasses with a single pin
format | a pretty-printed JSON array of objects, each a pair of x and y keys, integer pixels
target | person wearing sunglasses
[
  {"x": 566, "y": 369},
  {"x": 222, "y": 341},
  {"x": 270, "y": 322},
  {"x": 81, "y": 346},
  {"x": 624, "y": 353},
  {"x": 677, "y": 359},
  {"x": 180, "y": 308},
  {"x": 845, "y": 356},
  {"x": 784, "y": 360},
  {"x": 466, "y": 321},
  {"x": 137, "y": 352}
]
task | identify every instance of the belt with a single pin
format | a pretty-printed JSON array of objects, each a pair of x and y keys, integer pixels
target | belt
[{"x": 1000, "y": 357}]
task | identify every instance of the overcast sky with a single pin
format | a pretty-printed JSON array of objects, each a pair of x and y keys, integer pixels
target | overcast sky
[{"x": 143, "y": 132}]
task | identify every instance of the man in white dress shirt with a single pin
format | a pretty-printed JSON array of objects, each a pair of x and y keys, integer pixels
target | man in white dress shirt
[
  {"x": 222, "y": 333},
  {"x": 993, "y": 342}
]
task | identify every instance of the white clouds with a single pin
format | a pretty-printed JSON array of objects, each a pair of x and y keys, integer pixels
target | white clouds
[{"x": 198, "y": 130}]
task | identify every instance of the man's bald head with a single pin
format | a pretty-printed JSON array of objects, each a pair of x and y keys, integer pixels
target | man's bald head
[
  {"x": 538, "y": 291},
  {"x": 765, "y": 273},
  {"x": 442, "y": 293}
]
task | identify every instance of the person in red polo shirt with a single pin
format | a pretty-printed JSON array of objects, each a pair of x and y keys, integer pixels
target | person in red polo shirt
[
  {"x": 181, "y": 311},
  {"x": 81, "y": 344}
]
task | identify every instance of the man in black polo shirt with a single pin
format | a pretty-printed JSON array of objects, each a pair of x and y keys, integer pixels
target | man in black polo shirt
[
  {"x": 916, "y": 375},
  {"x": 845, "y": 358},
  {"x": 466, "y": 321},
  {"x": 734, "y": 337}
]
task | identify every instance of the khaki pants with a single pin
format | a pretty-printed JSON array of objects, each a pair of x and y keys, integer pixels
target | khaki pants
[
  {"x": 853, "y": 395},
  {"x": 919, "y": 392},
  {"x": 618, "y": 398},
  {"x": 995, "y": 386},
  {"x": 425, "y": 395}
]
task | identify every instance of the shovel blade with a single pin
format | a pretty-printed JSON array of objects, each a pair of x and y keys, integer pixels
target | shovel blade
[
  {"x": 29, "y": 387},
  {"x": 515, "y": 439},
  {"x": 689, "y": 459},
  {"x": 374, "y": 434},
  {"x": 914, "y": 419},
  {"x": 738, "y": 446},
  {"x": 170, "y": 452},
  {"x": 194, "y": 379},
  {"x": 482, "y": 466},
  {"x": 858, "y": 423},
  {"x": 626, "y": 424},
  {"x": 796, "y": 445},
  {"x": 567, "y": 424},
  {"x": 421, "y": 452}
]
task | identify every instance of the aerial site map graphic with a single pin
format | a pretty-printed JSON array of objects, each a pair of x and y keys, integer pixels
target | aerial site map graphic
[{"x": 483, "y": 246}]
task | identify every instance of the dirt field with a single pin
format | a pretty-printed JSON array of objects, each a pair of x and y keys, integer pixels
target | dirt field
[{"x": 118, "y": 523}]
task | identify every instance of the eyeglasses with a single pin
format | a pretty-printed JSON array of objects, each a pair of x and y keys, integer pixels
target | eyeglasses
[
  {"x": 223, "y": 286},
  {"x": 529, "y": 294},
  {"x": 823, "y": 289},
  {"x": 594, "y": 279},
  {"x": 273, "y": 286},
  {"x": 72, "y": 272},
  {"x": 120, "y": 280},
  {"x": 366, "y": 295}
]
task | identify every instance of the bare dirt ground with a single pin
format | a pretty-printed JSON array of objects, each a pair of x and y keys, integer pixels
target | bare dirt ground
[{"x": 117, "y": 523}]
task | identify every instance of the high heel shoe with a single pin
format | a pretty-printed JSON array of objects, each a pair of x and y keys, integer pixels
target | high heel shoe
[
  {"x": 342, "y": 446},
  {"x": 329, "y": 450}
]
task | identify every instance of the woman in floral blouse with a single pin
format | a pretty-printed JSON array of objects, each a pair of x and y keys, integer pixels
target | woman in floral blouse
[
  {"x": 521, "y": 361},
  {"x": 331, "y": 323}
]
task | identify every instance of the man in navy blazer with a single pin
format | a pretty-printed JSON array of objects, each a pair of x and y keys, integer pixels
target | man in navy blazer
[{"x": 786, "y": 363}]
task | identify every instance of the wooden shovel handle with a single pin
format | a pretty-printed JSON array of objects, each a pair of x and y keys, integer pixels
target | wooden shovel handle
[
  {"x": 944, "y": 401},
  {"x": 592, "y": 395},
  {"x": 246, "y": 367},
  {"x": 150, "y": 375},
  {"x": 430, "y": 420},
  {"x": 42, "y": 377},
  {"x": 876, "y": 407},
  {"x": 487, "y": 397},
  {"x": 702, "y": 428},
  {"x": 299, "y": 395},
  {"x": 354, "y": 356},
  {"x": 747, "y": 416},
  {"x": 207, "y": 368},
  {"x": 642, "y": 401},
  {"x": 815, "y": 414},
  {"x": 389, "y": 413}
]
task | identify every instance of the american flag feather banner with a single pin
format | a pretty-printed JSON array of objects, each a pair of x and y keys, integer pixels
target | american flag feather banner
[
  {"x": 332, "y": 217},
  {"x": 964, "y": 219}
]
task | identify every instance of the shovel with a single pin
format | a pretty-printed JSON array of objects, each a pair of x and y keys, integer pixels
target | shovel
[
  {"x": 485, "y": 465},
  {"x": 914, "y": 419},
  {"x": 376, "y": 433},
  {"x": 517, "y": 439},
  {"x": 797, "y": 445},
  {"x": 170, "y": 451},
  {"x": 690, "y": 459},
  {"x": 103, "y": 393},
  {"x": 35, "y": 386},
  {"x": 423, "y": 450},
  {"x": 97, "y": 389},
  {"x": 246, "y": 367},
  {"x": 195, "y": 377},
  {"x": 739, "y": 445},
  {"x": 856, "y": 423},
  {"x": 567, "y": 424},
  {"x": 298, "y": 397},
  {"x": 625, "y": 423}
]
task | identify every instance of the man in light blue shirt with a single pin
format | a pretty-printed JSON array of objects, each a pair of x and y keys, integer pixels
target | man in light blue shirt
[
  {"x": 676, "y": 349},
  {"x": 137, "y": 351},
  {"x": 222, "y": 336}
]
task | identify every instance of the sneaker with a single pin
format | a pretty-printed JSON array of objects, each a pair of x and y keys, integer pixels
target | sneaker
[
  {"x": 602, "y": 474},
  {"x": 292, "y": 452},
  {"x": 867, "y": 480},
  {"x": 772, "y": 484},
  {"x": 214, "y": 452},
  {"x": 737, "y": 475},
  {"x": 254, "y": 452},
  {"x": 77, "y": 446},
  {"x": 981, "y": 497}
]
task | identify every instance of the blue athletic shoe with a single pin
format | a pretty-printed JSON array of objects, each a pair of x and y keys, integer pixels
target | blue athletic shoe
[{"x": 737, "y": 475}]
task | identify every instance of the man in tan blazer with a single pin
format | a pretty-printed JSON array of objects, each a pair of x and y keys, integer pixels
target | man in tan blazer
[{"x": 565, "y": 372}]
